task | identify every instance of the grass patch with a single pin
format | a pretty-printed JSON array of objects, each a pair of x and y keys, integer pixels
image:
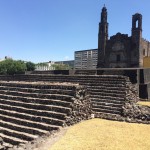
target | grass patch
[
  {"x": 145, "y": 103},
  {"x": 99, "y": 134}
]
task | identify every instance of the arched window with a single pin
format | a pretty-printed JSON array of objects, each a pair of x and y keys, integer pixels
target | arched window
[
  {"x": 118, "y": 58},
  {"x": 137, "y": 23}
]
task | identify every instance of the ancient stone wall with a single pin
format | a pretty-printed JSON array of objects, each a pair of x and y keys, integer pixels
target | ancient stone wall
[
  {"x": 32, "y": 109},
  {"x": 145, "y": 48},
  {"x": 132, "y": 112}
]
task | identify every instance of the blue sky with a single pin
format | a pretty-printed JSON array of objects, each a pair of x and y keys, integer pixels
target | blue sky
[{"x": 44, "y": 30}]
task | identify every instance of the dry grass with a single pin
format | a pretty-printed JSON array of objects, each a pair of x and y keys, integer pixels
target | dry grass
[
  {"x": 98, "y": 134},
  {"x": 144, "y": 103}
]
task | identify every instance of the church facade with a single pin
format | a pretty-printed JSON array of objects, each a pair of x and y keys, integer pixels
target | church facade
[{"x": 121, "y": 50}]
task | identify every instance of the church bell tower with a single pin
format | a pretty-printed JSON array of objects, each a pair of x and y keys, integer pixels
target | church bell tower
[
  {"x": 137, "y": 40},
  {"x": 102, "y": 38}
]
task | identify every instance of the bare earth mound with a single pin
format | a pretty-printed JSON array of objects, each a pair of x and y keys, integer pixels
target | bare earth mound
[{"x": 101, "y": 134}]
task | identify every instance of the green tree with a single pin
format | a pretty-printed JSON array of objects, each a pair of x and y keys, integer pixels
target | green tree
[
  {"x": 42, "y": 64},
  {"x": 61, "y": 66},
  {"x": 11, "y": 67},
  {"x": 3, "y": 69},
  {"x": 30, "y": 66}
]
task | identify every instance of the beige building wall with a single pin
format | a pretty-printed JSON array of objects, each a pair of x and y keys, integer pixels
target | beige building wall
[{"x": 146, "y": 62}]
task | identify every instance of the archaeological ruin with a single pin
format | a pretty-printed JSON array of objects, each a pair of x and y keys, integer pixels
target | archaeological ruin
[
  {"x": 38, "y": 103},
  {"x": 34, "y": 105}
]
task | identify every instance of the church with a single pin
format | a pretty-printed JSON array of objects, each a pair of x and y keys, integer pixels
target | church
[{"x": 121, "y": 50}]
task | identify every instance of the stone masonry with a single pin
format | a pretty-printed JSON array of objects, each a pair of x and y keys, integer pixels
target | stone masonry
[{"x": 121, "y": 50}]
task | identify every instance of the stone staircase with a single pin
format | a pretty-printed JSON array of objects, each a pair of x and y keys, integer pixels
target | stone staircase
[
  {"x": 29, "y": 110},
  {"x": 107, "y": 92},
  {"x": 85, "y": 72},
  {"x": 108, "y": 99}
]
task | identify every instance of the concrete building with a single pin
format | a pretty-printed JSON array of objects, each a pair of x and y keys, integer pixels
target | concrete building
[
  {"x": 45, "y": 66},
  {"x": 86, "y": 59}
]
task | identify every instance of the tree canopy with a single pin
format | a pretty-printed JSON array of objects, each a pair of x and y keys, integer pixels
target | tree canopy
[
  {"x": 30, "y": 66},
  {"x": 11, "y": 67},
  {"x": 61, "y": 66}
]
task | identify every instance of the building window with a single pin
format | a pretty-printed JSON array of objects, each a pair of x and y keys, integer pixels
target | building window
[
  {"x": 144, "y": 53},
  {"x": 118, "y": 58},
  {"x": 137, "y": 23}
]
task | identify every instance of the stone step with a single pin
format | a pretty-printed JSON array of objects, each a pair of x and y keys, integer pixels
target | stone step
[
  {"x": 35, "y": 90},
  {"x": 47, "y": 120},
  {"x": 79, "y": 77},
  {"x": 43, "y": 103},
  {"x": 106, "y": 84},
  {"x": 109, "y": 116},
  {"x": 97, "y": 91},
  {"x": 103, "y": 81},
  {"x": 28, "y": 123},
  {"x": 107, "y": 97},
  {"x": 7, "y": 145},
  {"x": 95, "y": 100},
  {"x": 106, "y": 111},
  {"x": 35, "y": 111},
  {"x": 93, "y": 94},
  {"x": 22, "y": 128},
  {"x": 71, "y": 79},
  {"x": 38, "y": 100},
  {"x": 106, "y": 88},
  {"x": 108, "y": 104},
  {"x": 17, "y": 134},
  {"x": 109, "y": 107},
  {"x": 39, "y": 85},
  {"x": 38, "y": 95},
  {"x": 12, "y": 140},
  {"x": 48, "y": 77}
]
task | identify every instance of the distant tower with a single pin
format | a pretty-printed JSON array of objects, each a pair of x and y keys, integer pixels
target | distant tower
[
  {"x": 137, "y": 40},
  {"x": 102, "y": 38}
]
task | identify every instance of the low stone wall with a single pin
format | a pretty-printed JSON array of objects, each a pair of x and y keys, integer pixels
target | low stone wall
[
  {"x": 81, "y": 107},
  {"x": 133, "y": 112}
]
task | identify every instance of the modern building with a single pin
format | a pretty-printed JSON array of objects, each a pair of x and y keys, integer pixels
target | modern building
[
  {"x": 45, "y": 66},
  {"x": 86, "y": 59}
]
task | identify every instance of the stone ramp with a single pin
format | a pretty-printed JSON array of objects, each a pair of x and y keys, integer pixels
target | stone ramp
[{"x": 32, "y": 109}]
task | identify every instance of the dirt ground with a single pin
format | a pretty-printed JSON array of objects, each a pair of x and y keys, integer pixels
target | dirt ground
[
  {"x": 145, "y": 103},
  {"x": 48, "y": 142},
  {"x": 100, "y": 134}
]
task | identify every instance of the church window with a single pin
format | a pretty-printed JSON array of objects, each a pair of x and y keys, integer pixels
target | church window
[
  {"x": 137, "y": 23},
  {"x": 144, "y": 53},
  {"x": 118, "y": 58}
]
